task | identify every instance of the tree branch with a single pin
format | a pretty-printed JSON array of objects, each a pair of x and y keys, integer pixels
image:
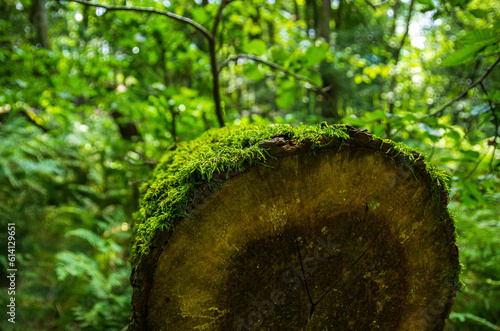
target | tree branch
[
  {"x": 464, "y": 93},
  {"x": 377, "y": 5},
  {"x": 273, "y": 65},
  {"x": 396, "y": 59},
  {"x": 408, "y": 20},
  {"x": 218, "y": 17},
  {"x": 212, "y": 48},
  {"x": 151, "y": 10},
  {"x": 492, "y": 142},
  {"x": 132, "y": 162},
  {"x": 266, "y": 62}
]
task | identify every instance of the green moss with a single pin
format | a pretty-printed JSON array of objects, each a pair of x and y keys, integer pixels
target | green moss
[{"x": 170, "y": 192}]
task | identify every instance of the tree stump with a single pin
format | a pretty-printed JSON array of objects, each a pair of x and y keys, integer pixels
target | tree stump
[{"x": 294, "y": 228}]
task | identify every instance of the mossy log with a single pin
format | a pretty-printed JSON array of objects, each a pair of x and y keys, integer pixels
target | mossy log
[{"x": 294, "y": 228}]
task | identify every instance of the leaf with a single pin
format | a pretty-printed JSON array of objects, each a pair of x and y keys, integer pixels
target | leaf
[
  {"x": 377, "y": 130},
  {"x": 429, "y": 5},
  {"x": 279, "y": 55},
  {"x": 495, "y": 96},
  {"x": 256, "y": 47},
  {"x": 479, "y": 13},
  {"x": 286, "y": 93},
  {"x": 286, "y": 98},
  {"x": 92, "y": 238},
  {"x": 460, "y": 3},
  {"x": 312, "y": 75},
  {"x": 315, "y": 54},
  {"x": 470, "y": 155},
  {"x": 479, "y": 36},
  {"x": 375, "y": 115},
  {"x": 252, "y": 72},
  {"x": 359, "y": 122},
  {"x": 453, "y": 134},
  {"x": 200, "y": 14},
  {"x": 463, "y": 55}
]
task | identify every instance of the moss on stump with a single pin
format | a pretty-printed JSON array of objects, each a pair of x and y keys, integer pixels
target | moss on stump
[{"x": 284, "y": 228}]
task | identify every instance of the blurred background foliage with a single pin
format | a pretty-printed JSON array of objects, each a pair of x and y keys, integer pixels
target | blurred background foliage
[{"x": 90, "y": 98}]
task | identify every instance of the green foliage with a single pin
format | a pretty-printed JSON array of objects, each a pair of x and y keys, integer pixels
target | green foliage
[
  {"x": 256, "y": 46},
  {"x": 477, "y": 305},
  {"x": 477, "y": 41}
]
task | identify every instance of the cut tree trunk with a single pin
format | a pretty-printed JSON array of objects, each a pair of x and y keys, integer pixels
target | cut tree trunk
[{"x": 294, "y": 228}]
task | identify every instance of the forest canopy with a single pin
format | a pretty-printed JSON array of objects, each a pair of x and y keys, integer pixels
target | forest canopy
[{"x": 92, "y": 94}]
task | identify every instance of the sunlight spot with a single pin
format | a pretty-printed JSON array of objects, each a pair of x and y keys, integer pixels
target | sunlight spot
[
  {"x": 140, "y": 37},
  {"x": 105, "y": 48},
  {"x": 121, "y": 88},
  {"x": 417, "y": 79},
  {"x": 135, "y": 50},
  {"x": 99, "y": 11},
  {"x": 78, "y": 17}
]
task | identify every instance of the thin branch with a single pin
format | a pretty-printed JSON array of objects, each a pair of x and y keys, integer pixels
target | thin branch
[
  {"x": 212, "y": 48},
  {"x": 464, "y": 93},
  {"x": 132, "y": 162},
  {"x": 377, "y": 5},
  {"x": 273, "y": 65},
  {"x": 488, "y": 99},
  {"x": 477, "y": 165},
  {"x": 408, "y": 20},
  {"x": 218, "y": 17},
  {"x": 151, "y": 10},
  {"x": 494, "y": 141},
  {"x": 495, "y": 145},
  {"x": 266, "y": 62},
  {"x": 137, "y": 182},
  {"x": 396, "y": 58},
  {"x": 363, "y": 19}
]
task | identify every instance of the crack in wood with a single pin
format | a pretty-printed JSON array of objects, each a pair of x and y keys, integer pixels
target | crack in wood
[{"x": 348, "y": 270}]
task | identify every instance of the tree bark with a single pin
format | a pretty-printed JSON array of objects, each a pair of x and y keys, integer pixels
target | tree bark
[
  {"x": 331, "y": 233},
  {"x": 40, "y": 21},
  {"x": 329, "y": 108},
  {"x": 324, "y": 20}
]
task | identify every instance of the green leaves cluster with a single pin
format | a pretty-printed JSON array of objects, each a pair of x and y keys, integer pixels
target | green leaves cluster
[{"x": 483, "y": 42}]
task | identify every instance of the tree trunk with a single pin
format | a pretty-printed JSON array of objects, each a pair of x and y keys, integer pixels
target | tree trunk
[
  {"x": 324, "y": 20},
  {"x": 41, "y": 23},
  {"x": 329, "y": 229}
]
